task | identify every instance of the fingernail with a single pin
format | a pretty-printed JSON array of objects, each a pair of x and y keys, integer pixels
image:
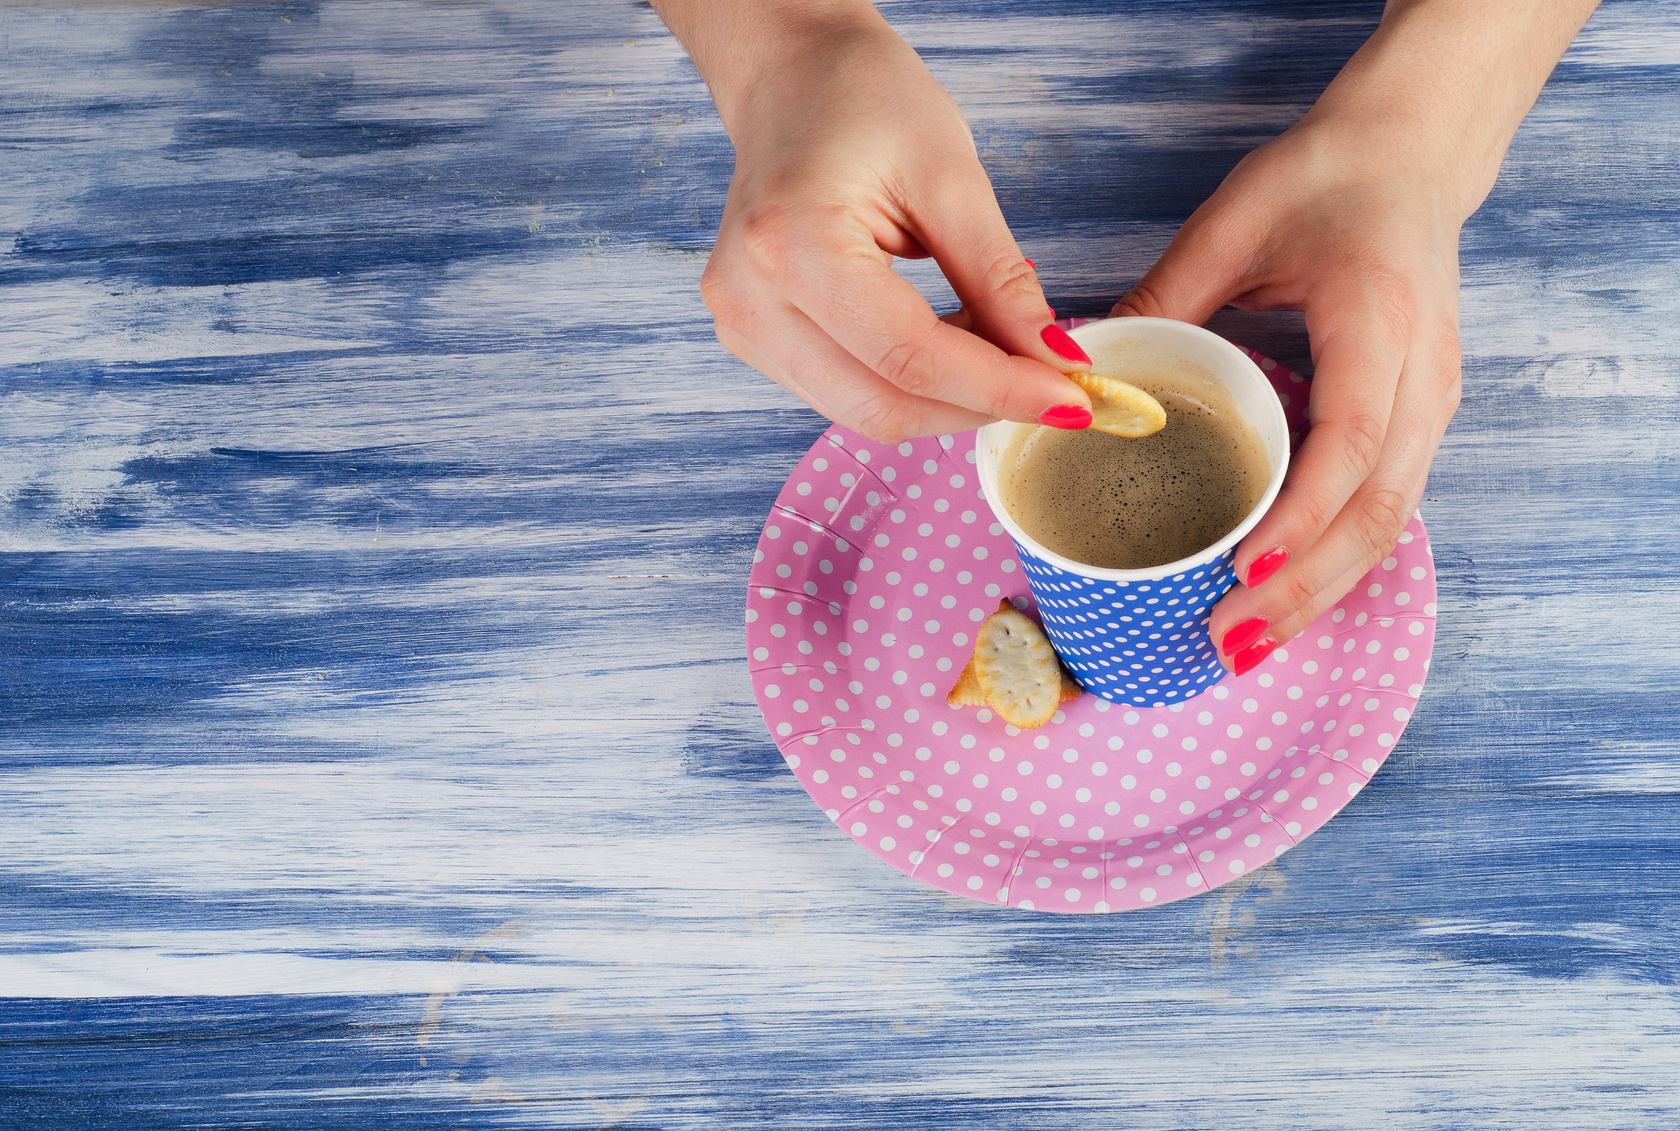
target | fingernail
[
  {"x": 1069, "y": 416},
  {"x": 1244, "y": 634},
  {"x": 1056, "y": 338},
  {"x": 1243, "y": 662},
  {"x": 1265, "y": 565},
  {"x": 1030, "y": 263}
]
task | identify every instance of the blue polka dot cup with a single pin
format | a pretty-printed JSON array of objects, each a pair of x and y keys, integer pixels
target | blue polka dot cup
[{"x": 1140, "y": 636}]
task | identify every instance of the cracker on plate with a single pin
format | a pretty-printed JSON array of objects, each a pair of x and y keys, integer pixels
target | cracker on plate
[
  {"x": 966, "y": 691},
  {"x": 1014, "y": 671}
]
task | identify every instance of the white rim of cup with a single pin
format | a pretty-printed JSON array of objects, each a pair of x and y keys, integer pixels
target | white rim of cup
[{"x": 1157, "y": 331}]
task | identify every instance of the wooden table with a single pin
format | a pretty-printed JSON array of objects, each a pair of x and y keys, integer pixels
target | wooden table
[{"x": 379, "y": 748}]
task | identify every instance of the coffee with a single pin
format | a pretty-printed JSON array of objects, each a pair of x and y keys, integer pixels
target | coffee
[{"x": 1118, "y": 503}]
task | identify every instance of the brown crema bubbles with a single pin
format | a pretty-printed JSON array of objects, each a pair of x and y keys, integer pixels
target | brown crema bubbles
[{"x": 1118, "y": 503}]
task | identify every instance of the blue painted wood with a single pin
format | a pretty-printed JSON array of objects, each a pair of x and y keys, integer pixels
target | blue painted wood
[{"x": 378, "y": 744}]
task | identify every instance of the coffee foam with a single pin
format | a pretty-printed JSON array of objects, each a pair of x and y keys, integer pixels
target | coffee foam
[{"x": 1118, "y": 503}]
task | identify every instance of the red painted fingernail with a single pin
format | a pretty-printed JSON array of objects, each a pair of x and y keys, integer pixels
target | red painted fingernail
[
  {"x": 1030, "y": 263},
  {"x": 1244, "y": 634},
  {"x": 1265, "y": 565},
  {"x": 1069, "y": 416},
  {"x": 1056, "y": 338},
  {"x": 1243, "y": 662}
]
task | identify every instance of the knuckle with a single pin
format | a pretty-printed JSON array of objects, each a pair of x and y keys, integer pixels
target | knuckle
[
  {"x": 906, "y": 364},
  {"x": 1447, "y": 375},
  {"x": 1142, "y": 300},
  {"x": 1298, "y": 593},
  {"x": 1007, "y": 274},
  {"x": 727, "y": 337},
  {"x": 1452, "y": 392},
  {"x": 1307, "y": 599},
  {"x": 1303, "y": 511},
  {"x": 1314, "y": 509},
  {"x": 1364, "y": 434},
  {"x": 884, "y": 418},
  {"x": 768, "y": 239},
  {"x": 722, "y": 296},
  {"x": 1449, "y": 383},
  {"x": 1382, "y": 511},
  {"x": 1318, "y": 514},
  {"x": 1396, "y": 304}
]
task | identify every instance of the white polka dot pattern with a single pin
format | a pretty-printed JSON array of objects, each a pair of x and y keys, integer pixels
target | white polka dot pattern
[
  {"x": 874, "y": 569},
  {"x": 1141, "y": 643}
]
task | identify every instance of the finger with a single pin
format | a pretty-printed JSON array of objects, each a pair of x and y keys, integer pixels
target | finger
[
  {"x": 1366, "y": 529},
  {"x": 808, "y": 364},
  {"x": 905, "y": 246},
  {"x": 835, "y": 274},
  {"x": 1197, "y": 274},
  {"x": 1361, "y": 535},
  {"x": 1352, "y": 399},
  {"x": 961, "y": 319},
  {"x": 960, "y": 223},
  {"x": 1252, "y": 636}
]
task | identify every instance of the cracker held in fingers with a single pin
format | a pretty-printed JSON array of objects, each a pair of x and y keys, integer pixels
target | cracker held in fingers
[
  {"x": 1017, "y": 669},
  {"x": 1120, "y": 408}
]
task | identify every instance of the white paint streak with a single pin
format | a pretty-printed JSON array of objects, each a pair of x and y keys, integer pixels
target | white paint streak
[{"x": 432, "y": 730}]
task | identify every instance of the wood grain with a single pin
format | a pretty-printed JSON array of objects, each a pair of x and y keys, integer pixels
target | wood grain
[{"x": 378, "y": 746}]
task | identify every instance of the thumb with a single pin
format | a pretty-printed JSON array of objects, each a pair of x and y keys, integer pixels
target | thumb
[
  {"x": 963, "y": 228},
  {"x": 1195, "y": 276}
]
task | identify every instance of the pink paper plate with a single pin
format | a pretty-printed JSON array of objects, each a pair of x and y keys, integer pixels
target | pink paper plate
[{"x": 875, "y": 568}]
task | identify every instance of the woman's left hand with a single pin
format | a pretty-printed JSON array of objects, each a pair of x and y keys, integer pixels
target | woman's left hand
[
  {"x": 1308, "y": 222},
  {"x": 1353, "y": 216}
]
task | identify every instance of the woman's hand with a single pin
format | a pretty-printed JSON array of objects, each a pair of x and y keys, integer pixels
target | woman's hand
[
  {"x": 1353, "y": 216},
  {"x": 848, "y": 153},
  {"x": 1373, "y": 261}
]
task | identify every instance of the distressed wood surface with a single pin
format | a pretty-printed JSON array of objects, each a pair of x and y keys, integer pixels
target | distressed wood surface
[{"x": 378, "y": 746}]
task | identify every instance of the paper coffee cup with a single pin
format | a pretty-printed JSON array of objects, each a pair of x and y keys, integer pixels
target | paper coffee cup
[{"x": 1140, "y": 636}]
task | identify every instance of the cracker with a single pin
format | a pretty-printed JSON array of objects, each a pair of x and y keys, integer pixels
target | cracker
[
  {"x": 966, "y": 691},
  {"x": 1017, "y": 669},
  {"x": 1070, "y": 688},
  {"x": 1119, "y": 408}
]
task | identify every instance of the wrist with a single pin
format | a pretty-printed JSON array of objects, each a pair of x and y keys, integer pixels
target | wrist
[
  {"x": 1437, "y": 174},
  {"x": 749, "y": 50},
  {"x": 1436, "y": 94}
]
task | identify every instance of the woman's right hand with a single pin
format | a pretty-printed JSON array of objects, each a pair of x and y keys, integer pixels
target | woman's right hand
[{"x": 848, "y": 153}]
